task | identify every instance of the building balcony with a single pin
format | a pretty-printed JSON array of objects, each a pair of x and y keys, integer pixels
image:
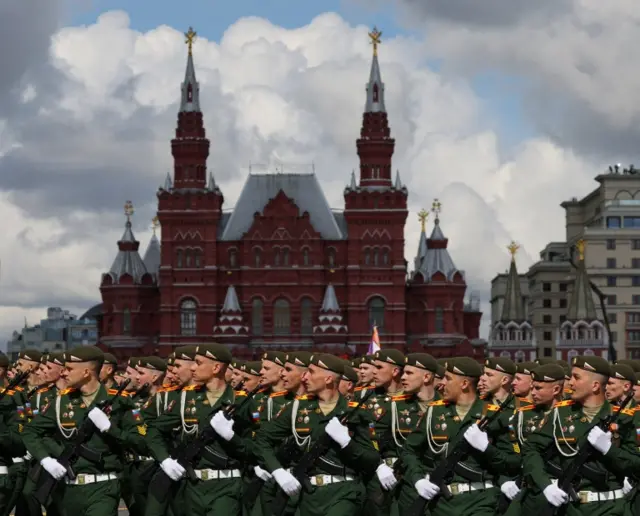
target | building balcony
[
  {"x": 581, "y": 343},
  {"x": 512, "y": 343}
]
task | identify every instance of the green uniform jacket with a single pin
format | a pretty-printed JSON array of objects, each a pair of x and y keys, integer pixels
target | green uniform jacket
[
  {"x": 60, "y": 420},
  {"x": 440, "y": 431},
  {"x": 550, "y": 449},
  {"x": 304, "y": 420}
]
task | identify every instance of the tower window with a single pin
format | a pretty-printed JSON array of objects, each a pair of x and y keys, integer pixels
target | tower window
[
  {"x": 285, "y": 256},
  {"x": 376, "y": 313},
  {"x": 233, "y": 258},
  {"x": 367, "y": 257},
  {"x": 305, "y": 257},
  {"x": 188, "y": 257},
  {"x": 189, "y": 93},
  {"x": 188, "y": 317},
  {"x": 281, "y": 317},
  {"x": 179, "y": 260},
  {"x": 257, "y": 258},
  {"x": 306, "y": 316},
  {"x": 375, "y": 92},
  {"x": 332, "y": 257},
  {"x": 439, "y": 326},
  {"x": 126, "y": 321}
]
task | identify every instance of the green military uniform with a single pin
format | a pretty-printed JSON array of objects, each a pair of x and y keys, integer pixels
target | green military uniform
[
  {"x": 440, "y": 431},
  {"x": 350, "y": 375},
  {"x": 337, "y": 477},
  {"x": 550, "y": 449},
  {"x": 96, "y": 489},
  {"x": 216, "y": 488}
]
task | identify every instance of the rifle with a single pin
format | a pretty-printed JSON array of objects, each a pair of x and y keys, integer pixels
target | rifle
[
  {"x": 445, "y": 468},
  {"x": 572, "y": 471},
  {"x": 47, "y": 483},
  {"x": 187, "y": 454},
  {"x": 141, "y": 391},
  {"x": 308, "y": 460},
  {"x": 17, "y": 380}
]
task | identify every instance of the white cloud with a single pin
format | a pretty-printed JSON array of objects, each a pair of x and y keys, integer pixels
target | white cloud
[{"x": 266, "y": 92}]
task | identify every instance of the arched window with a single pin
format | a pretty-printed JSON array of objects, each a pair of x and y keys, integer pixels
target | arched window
[
  {"x": 257, "y": 258},
  {"x": 256, "y": 317},
  {"x": 376, "y": 313},
  {"x": 385, "y": 257},
  {"x": 196, "y": 256},
  {"x": 187, "y": 258},
  {"x": 571, "y": 354},
  {"x": 439, "y": 322},
  {"x": 233, "y": 258},
  {"x": 520, "y": 356},
  {"x": 179, "y": 261},
  {"x": 285, "y": 256},
  {"x": 126, "y": 321},
  {"x": 306, "y": 316},
  {"x": 188, "y": 317},
  {"x": 276, "y": 257},
  {"x": 375, "y": 257},
  {"x": 332, "y": 257},
  {"x": 305, "y": 257},
  {"x": 367, "y": 256},
  {"x": 281, "y": 317}
]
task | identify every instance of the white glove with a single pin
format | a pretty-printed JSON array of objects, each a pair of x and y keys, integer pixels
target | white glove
[
  {"x": 477, "y": 438},
  {"x": 222, "y": 426},
  {"x": 599, "y": 439},
  {"x": 53, "y": 467},
  {"x": 173, "y": 469},
  {"x": 338, "y": 432},
  {"x": 286, "y": 481},
  {"x": 510, "y": 489},
  {"x": 626, "y": 486},
  {"x": 426, "y": 489},
  {"x": 262, "y": 474},
  {"x": 387, "y": 479},
  {"x": 99, "y": 419},
  {"x": 555, "y": 496}
]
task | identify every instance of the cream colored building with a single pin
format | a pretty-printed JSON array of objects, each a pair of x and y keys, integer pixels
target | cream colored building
[{"x": 608, "y": 219}]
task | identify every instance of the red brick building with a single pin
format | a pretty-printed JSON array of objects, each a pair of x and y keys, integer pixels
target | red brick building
[{"x": 282, "y": 270}]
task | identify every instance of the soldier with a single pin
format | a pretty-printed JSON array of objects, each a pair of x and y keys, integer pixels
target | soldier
[
  {"x": 251, "y": 375},
  {"x": 547, "y": 389},
  {"x": 567, "y": 378},
  {"x": 444, "y": 425},
  {"x": 95, "y": 490},
  {"x": 338, "y": 474},
  {"x": 109, "y": 368},
  {"x": 439, "y": 382},
  {"x": 620, "y": 384},
  {"x": 495, "y": 382},
  {"x": 236, "y": 375},
  {"x": 348, "y": 382},
  {"x": 272, "y": 398},
  {"x": 217, "y": 489},
  {"x": 636, "y": 389},
  {"x": 522, "y": 382},
  {"x": 4, "y": 367},
  {"x": 549, "y": 450},
  {"x": 366, "y": 370}
]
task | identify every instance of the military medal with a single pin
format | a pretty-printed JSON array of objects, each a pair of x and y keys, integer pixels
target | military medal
[
  {"x": 408, "y": 421},
  {"x": 444, "y": 426},
  {"x": 456, "y": 419},
  {"x": 572, "y": 429},
  {"x": 82, "y": 405},
  {"x": 306, "y": 419},
  {"x": 71, "y": 414}
]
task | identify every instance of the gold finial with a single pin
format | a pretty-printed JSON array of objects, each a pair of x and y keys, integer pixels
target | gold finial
[
  {"x": 375, "y": 39},
  {"x": 191, "y": 37},
  {"x": 155, "y": 224},
  {"x": 436, "y": 208},
  {"x": 128, "y": 209},
  {"x": 423, "y": 215},
  {"x": 513, "y": 249},
  {"x": 580, "y": 246}
]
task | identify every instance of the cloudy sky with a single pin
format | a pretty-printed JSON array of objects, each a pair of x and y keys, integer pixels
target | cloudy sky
[{"x": 500, "y": 109}]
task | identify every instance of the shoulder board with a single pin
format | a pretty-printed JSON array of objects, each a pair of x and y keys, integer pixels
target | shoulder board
[
  {"x": 401, "y": 397},
  {"x": 170, "y": 388},
  {"x": 277, "y": 394},
  {"x": 636, "y": 408},
  {"x": 564, "y": 403},
  {"x": 10, "y": 392},
  {"x": 44, "y": 389},
  {"x": 113, "y": 392},
  {"x": 527, "y": 407},
  {"x": 190, "y": 387},
  {"x": 438, "y": 403},
  {"x": 304, "y": 397},
  {"x": 493, "y": 408},
  {"x": 524, "y": 400},
  {"x": 66, "y": 391},
  {"x": 241, "y": 393},
  {"x": 264, "y": 389},
  {"x": 483, "y": 397},
  {"x": 19, "y": 389},
  {"x": 359, "y": 388},
  {"x": 615, "y": 408},
  {"x": 353, "y": 404},
  {"x": 628, "y": 412}
]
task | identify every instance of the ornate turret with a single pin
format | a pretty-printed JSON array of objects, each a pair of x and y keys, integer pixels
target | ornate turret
[
  {"x": 582, "y": 332},
  {"x": 375, "y": 145},
  {"x": 152, "y": 257},
  {"x": 231, "y": 320},
  {"x": 513, "y": 334},
  {"x": 127, "y": 263},
  {"x": 330, "y": 319}
]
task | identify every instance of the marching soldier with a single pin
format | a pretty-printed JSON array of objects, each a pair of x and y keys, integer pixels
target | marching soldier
[
  {"x": 251, "y": 376},
  {"x": 522, "y": 382},
  {"x": 366, "y": 371},
  {"x": 337, "y": 475},
  {"x": 109, "y": 368},
  {"x": 348, "y": 382},
  {"x": 549, "y": 450},
  {"x": 236, "y": 374},
  {"x": 620, "y": 384},
  {"x": 444, "y": 425},
  {"x": 439, "y": 382},
  {"x": 495, "y": 382},
  {"x": 4, "y": 367},
  {"x": 95, "y": 488}
]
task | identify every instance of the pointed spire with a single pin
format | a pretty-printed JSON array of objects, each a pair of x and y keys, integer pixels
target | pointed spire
[
  {"x": 167, "y": 183},
  {"x": 128, "y": 261},
  {"x": 231, "y": 321},
  {"x": 231, "y": 303},
  {"x": 190, "y": 88},
  {"x": 375, "y": 86},
  {"x": 581, "y": 305},
  {"x": 330, "y": 318},
  {"x": 212, "y": 182},
  {"x": 151, "y": 257},
  {"x": 353, "y": 185},
  {"x": 423, "y": 215},
  {"x": 330, "y": 301},
  {"x": 398, "y": 185},
  {"x": 512, "y": 310}
]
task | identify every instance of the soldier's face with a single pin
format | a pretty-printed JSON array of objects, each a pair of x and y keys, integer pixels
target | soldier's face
[
  {"x": 203, "y": 369},
  {"x": 636, "y": 393},
  {"x": 251, "y": 381},
  {"x": 146, "y": 375},
  {"x": 50, "y": 372},
  {"x": 270, "y": 372},
  {"x": 491, "y": 381},
  {"x": 182, "y": 370},
  {"x": 452, "y": 386},
  {"x": 315, "y": 379},
  {"x": 544, "y": 393},
  {"x": 522, "y": 384},
  {"x": 236, "y": 378},
  {"x": 291, "y": 376},
  {"x": 383, "y": 373},
  {"x": 132, "y": 374},
  {"x": 105, "y": 372},
  {"x": 345, "y": 387},
  {"x": 584, "y": 384},
  {"x": 76, "y": 373},
  {"x": 413, "y": 378},
  {"x": 365, "y": 373},
  {"x": 616, "y": 389}
]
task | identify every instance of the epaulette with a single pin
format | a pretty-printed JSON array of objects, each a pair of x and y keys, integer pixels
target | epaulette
[
  {"x": 192, "y": 387},
  {"x": 527, "y": 407},
  {"x": 277, "y": 394},
  {"x": 304, "y": 397},
  {"x": 170, "y": 388},
  {"x": 401, "y": 397},
  {"x": 66, "y": 391},
  {"x": 564, "y": 403},
  {"x": 10, "y": 392},
  {"x": 628, "y": 412},
  {"x": 113, "y": 392},
  {"x": 523, "y": 400},
  {"x": 359, "y": 388},
  {"x": 438, "y": 403},
  {"x": 264, "y": 389},
  {"x": 19, "y": 389},
  {"x": 615, "y": 408},
  {"x": 353, "y": 404},
  {"x": 44, "y": 389},
  {"x": 241, "y": 393},
  {"x": 493, "y": 408}
]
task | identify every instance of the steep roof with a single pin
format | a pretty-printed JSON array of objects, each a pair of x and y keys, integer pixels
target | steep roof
[
  {"x": 581, "y": 305},
  {"x": 305, "y": 191},
  {"x": 128, "y": 260},
  {"x": 512, "y": 310},
  {"x": 152, "y": 256},
  {"x": 436, "y": 257}
]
